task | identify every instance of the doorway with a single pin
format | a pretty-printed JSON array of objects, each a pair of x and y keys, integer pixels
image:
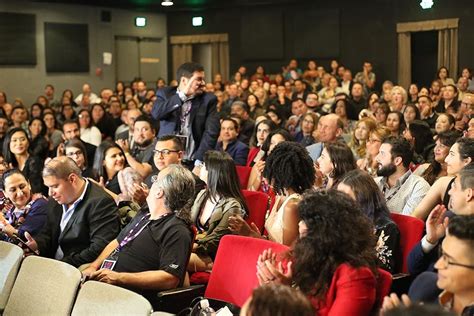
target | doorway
[
  {"x": 424, "y": 57},
  {"x": 139, "y": 57},
  {"x": 202, "y": 54}
]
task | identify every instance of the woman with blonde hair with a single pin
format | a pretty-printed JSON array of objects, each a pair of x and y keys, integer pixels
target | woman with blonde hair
[
  {"x": 368, "y": 163},
  {"x": 360, "y": 136},
  {"x": 399, "y": 99}
]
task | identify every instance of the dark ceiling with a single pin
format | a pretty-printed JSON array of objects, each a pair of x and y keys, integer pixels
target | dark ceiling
[{"x": 179, "y": 5}]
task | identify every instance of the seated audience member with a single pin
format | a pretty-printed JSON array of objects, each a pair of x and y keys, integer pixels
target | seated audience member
[
  {"x": 395, "y": 123},
  {"x": 39, "y": 146},
  {"x": 330, "y": 128},
  {"x": 127, "y": 133},
  {"x": 262, "y": 130},
  {"x": 86, "y": 91},
  {"x": 75, "y": 150},
  {"x": 290, "y": 171},
  {"x": 424, "y": 254},
  {"x": 308, "y": 125},
  {"x": 256, "y": 180},
  {"x": 418, "y": 133},
  {"x": 460, "y": 155},
  {"x": 335, "y": 263},
  {"x": 3, "y": 128},
  {"x": 466, "y": 108},
  {"x": 427, "y": 113},
  {"x": 381, "y": 114},
  {"x": 255, "y": 109},
  {"x": 247, "y": 125},
  {"x": 455, "y": 269},
  {"x": 445, "y": 122},
  {"x": 369, "y": 163},
  {"x": 398, "y": 100},
  {"x": 213, "y": 206},
  {"x": 335, "y": 161},
  {"x": 360, "y": 136},
  {"x": 151, "y": 252},
  {"x": 109, "y": 160},
  {"x": 17, "y": 155},
  {"x": 54, "y": 134},
  {"x": 229, "y": 142},
  {"x": 357, "y": 100},
  {"x": 362, "y": 188},
  {"x": 103, "y": 121},
  {"x": 27, "y": 212},
  {"x": 312, "y": 103},
  {"x": 71, "y": 130},
  {"x": 19, "y": 117},
  {"x": 89, "y": 133},
  {"x": 140, "y": 157},
  {"x": 402, "y": 189},
  {"x": 449, "y": 102},
  {"x": 437, "y": 168},
  {"x": 411, "y": 113},
  {"x": 82, "y": 218},
  {"x": 277, "y": 299},
  {"x": 342, "y": 108}
]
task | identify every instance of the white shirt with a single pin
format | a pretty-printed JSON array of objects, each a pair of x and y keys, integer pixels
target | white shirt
[
  {"x": 406, "y": 194},
  {"x": 91, "y": 135}
]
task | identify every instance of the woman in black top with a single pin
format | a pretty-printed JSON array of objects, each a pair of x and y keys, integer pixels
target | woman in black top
[
  {"x": 16, "y": 150},
  {"x": 76, "y": 150},
  {"x": 361, "y": 187},
  {"x": 39, "y": 146}
]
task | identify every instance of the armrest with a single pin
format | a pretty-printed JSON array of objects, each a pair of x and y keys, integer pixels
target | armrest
[{"x": 175, "y": 300}]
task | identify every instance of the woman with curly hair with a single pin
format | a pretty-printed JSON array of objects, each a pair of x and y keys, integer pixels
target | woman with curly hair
[
  {"x": 361, "y": 187},
  {"x": 289, "y": 169},
  {"x": 334, "y": 260}
]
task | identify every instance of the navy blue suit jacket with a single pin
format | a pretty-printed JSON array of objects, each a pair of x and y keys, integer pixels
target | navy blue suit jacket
[
  {"x": 205, "y": 124},
  {"x": 237, "y": 150}
]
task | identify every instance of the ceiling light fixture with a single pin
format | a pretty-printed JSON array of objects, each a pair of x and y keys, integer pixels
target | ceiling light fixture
[
  {"x": 167, "y": 3},
  {"x": 426, "y": 4}
]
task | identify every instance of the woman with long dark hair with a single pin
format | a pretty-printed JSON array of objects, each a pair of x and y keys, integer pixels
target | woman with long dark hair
[
  {"x": 438, "y": 168},
  {"x": 16, "y": 150},
  {"x": 109, "y": 159},
  {"x": 39, "y": 146},
  {"x": 419, "y": 134},
  {"x": 334, "y": 260},
  {"x": 395, "y": 123},
  {"x": 76, "y": 150},
  {"x": 336, "y": 159},
  {"x": 103, "y": 121},
  {"x": 361, "y": 187},
  {"x": 213, "y": 207}
]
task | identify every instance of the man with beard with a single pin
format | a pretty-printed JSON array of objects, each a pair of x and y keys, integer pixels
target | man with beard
[
  {"x": 190, "y": 112},
  {"x": 140, "y": 157},
  {"x": 402, "y": 189}
]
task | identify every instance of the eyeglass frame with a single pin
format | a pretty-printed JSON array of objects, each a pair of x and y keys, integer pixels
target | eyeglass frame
[
  {"x": 443, "y": 257},
  {"x": 164, "y": 152}
]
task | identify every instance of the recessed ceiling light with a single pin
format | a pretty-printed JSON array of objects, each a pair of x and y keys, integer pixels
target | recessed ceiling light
[{"x": 167, "y": 3}]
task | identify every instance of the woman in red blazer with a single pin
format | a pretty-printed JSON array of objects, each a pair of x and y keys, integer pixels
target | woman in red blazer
[{"x": 334, "y": 261}]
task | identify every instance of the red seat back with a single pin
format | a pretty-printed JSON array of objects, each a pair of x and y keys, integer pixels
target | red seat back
[
  {"x": 243, "y": 172},
  {"x": 411, "y": 231},
  {"x": 257, "y": 203},
  {"x": 233, "y": 276},
  {"x": 383, "y": 286}
]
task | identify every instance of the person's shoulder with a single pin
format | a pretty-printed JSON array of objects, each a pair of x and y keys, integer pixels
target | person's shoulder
[
  {"x": 96, "y": 192},
  {"x": 346, "y": 271},
  {"x": 418, "y": 180}
]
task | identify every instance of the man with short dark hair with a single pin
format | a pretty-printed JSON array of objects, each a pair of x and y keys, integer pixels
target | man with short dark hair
[
  {"x": 426, "y": 110},
  {"x": 19, "y": 117},
  {"x": 49, "y": 93},
  {"x": 449, "y": 102},
  {"x": 402, "y": 189},
  {"x": 241, "y": 110},
  {"x": 82, "y": 217},
  {"x": 229, "y": 142},
  {"x": 140, "y": 157},
  {"x": 3, "y": 129},
  {"x": 357, "y": 99},
  {"x": 190, "y": 112},
  {"x": 300, "y": 90},
  {"x": 366, "y": 77}
]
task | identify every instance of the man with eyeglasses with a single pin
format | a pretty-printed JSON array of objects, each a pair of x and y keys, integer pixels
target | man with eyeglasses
[
  {"x": 455, "y": 265},
  {"x": 168, "y": 150}
]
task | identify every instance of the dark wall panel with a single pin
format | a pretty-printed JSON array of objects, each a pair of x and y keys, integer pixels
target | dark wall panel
[
  {"x": 18, "y": 38},
  {"x": 67, "y": 47},
  {"x": 262, "y": 35}
]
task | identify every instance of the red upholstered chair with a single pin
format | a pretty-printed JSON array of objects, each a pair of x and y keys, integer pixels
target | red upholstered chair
[
  {"x": 233, "y": 275},
  {"x": 257, "y": 203},
  {"x": 383, "y": 286},
  {"x": 411, "y": 232},
  {"x": 243, "y": 173}
]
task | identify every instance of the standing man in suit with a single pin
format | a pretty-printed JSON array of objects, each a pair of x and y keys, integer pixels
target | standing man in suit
[
  {"x": 82, "y": 217},
  {"x": 190, "y": 112}
]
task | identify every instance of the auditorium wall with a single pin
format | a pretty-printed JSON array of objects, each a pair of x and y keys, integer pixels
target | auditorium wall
[{"x": 28, "y": 82}]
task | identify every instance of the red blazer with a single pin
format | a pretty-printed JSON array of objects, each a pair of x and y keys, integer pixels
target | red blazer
[
  {"x": 352, "y": 292},
  {"x": 252, "y": 154}
]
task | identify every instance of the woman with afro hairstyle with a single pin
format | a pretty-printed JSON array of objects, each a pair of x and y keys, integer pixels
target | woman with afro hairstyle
[{"x": 290, "y": 171}]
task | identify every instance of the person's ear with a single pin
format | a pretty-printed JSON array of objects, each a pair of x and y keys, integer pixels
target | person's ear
[
  {"x": 159, "y": 193},
  {"x": 397, "y": 161},
  {"x": 339, "y": 132},
  {"x": 469, "y": 194}
]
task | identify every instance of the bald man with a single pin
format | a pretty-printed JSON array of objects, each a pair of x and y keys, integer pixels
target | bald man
[{"x": 329, "y": 130}]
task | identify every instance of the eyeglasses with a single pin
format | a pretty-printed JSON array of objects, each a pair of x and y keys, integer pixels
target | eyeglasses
[
  {"x": 74, "y": 153},
  {"x": 372, "y": 140},
  {"x": 164, "y": 152},
  {"x": 447, "y": 262}
]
